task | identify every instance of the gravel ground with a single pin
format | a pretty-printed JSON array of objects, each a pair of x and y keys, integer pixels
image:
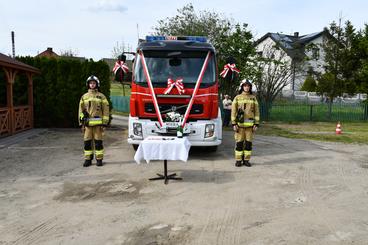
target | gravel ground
[{"x": 297, "y": 192}]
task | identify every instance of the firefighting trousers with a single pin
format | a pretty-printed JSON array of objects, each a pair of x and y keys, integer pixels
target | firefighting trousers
[
  {"x": 93, "y": 137},
  {"x": 243, "y": 143}
]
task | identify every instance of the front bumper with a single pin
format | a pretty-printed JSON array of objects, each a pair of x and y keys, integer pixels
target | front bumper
[{"x": 195, "y": 131}]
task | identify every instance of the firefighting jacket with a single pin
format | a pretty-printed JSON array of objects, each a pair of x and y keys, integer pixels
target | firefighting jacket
[
  {"x": 244, "y": 110},
  {"x": 97, "y": 108}
]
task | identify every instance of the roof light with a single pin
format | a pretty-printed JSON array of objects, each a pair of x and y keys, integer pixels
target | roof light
[
  {"x": 189, "y": 38},
  {"x": 154, "y": 38}
]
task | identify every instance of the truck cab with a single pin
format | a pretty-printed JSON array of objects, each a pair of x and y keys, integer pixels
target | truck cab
[{"x": 175, "y": 76}]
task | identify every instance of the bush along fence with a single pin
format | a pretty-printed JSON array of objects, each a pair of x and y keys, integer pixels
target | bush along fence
[{"x": 59, "y": 87}]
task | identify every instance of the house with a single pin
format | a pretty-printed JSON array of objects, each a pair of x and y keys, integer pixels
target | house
[
  {"x": 49, "y": 53},
  {"x": 305, "y": 53}
]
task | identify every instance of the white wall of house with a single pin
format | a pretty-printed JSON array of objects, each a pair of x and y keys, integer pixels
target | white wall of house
[
  {"x": 267, "y": 45},
  {"x": 315, "y": 63}
]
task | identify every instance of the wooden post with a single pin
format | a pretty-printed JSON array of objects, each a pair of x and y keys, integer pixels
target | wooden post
[
  {"x": 10, "y": 75},
  {"x": 30, "y": 97}
]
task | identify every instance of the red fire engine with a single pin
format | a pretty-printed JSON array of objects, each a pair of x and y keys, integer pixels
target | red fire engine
[{"x": 175, "y": 88}]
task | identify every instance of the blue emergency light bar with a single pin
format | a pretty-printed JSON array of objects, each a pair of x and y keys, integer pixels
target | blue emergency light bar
[{"x": 188, "y": 38}]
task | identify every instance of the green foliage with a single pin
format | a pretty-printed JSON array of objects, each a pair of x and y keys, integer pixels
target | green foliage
[
  {"x": 361, "y": 53},
  {"x": 309, "y": 84},
  {"x": 229, "y": 39},
  {"x": 59, "y": 87},
  {"x": 341, "y": 62},
  {"x": 190, "y": 23},
  {"x": 239, "y": 45}
]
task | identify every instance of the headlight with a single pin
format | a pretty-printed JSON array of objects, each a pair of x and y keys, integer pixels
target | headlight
[
  {"x": 209, "y": 130},
  {"x": 137, "y": 129}
]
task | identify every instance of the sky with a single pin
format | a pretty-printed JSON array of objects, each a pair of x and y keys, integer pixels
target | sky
[{"x": 92, "y": 28}]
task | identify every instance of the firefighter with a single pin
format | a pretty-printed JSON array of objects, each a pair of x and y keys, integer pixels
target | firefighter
[
  {"x": 93, "y": 117},
  {"x": 245, "y": 120}
]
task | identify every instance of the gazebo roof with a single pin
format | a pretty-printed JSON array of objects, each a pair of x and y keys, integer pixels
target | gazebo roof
[{"x": 7, "y": 61}]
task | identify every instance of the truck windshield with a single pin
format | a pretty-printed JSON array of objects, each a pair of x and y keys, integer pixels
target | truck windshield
[{"x": 186, "y": 65}]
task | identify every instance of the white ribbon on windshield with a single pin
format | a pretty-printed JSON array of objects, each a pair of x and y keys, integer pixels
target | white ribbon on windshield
[
  {"x": 198, "y": 83},
  {"x": 152, "y": 91}
]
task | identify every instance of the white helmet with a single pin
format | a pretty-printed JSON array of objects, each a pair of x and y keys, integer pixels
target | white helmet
[
  {"x": 244, "y": 82},
  {"x": 93, "y": 78}
]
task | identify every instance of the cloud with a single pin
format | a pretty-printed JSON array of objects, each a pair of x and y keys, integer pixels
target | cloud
[{"x": 107, "y": 6}]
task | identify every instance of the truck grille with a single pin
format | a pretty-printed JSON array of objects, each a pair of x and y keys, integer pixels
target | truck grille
[{"x": 180, "y": 108}]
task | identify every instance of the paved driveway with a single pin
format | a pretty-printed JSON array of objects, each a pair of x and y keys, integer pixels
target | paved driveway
[{"x": 297, "y": 192}]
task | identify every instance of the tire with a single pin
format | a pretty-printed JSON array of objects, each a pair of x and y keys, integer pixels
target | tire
[
  {"x": 135, "y": 147},
  {"x": 211, "y": 148}
]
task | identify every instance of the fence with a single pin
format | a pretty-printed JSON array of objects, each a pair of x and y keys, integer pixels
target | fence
[
  {"x": 290, "y": 111},
  {"x": 321, "y": 112},
  {"x": 120, "y": 103}
]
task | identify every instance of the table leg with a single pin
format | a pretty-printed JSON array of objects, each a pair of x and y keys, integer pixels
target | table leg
[{"x": 165, "y": 176}]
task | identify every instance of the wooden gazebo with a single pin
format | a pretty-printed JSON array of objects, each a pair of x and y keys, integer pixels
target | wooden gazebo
[{"x": 16, "y": 118}]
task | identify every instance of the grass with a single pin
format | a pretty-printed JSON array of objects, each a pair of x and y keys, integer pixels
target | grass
[
  {"x": 118, "y": 89},
  {"x": 323, "y": 131}
]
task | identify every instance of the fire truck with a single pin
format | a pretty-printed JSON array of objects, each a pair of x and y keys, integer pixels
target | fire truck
[{"x": 175, "y": 85}]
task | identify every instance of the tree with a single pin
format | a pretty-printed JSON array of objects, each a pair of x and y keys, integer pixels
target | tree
[
  {"x": 237, "y": 44},
  {"x": 274, "y": 72},
  {"x": 340, "y": 61},
  {"x": 120, "y": 48},
  {"x": 309, "y": 84},
  {"x": 188, "y": 22},
  {"x": 69, "y": 53},
  {"x": 229, "y": 39},
  {"x": 361, "y": 50}
]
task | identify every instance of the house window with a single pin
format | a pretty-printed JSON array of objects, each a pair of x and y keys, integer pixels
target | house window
[{"x": 315, "y": 53}]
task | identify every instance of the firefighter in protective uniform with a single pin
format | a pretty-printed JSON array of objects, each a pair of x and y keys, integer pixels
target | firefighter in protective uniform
[
  {"x": 245, "y": 120},
  {"x": 93, "y": 117}
]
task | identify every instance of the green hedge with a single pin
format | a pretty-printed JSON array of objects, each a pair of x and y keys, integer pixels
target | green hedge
[{"x": 59, "y": 87}]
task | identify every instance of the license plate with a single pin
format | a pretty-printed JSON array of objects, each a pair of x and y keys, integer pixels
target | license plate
[{"x": 172, "y": 124}]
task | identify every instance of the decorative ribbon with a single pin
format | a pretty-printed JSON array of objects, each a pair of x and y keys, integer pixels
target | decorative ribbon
[
  {"x": 198, "y": 84},
  {"x": 152, "y": 91},
  {"x": 178, "y": 83},
  {"x": 228, "y": 67},
  {"x": 122, "y": 65}
]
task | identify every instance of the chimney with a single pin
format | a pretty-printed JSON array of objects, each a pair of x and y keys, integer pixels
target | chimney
[
  {"x": 49, "y": 49},
  {"x": 296, "y": 34}
]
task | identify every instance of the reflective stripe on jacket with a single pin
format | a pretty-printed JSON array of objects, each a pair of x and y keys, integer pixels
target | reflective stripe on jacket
[
  {"x": 97, "y": 106},
  {"x": 244, "y": 110}
]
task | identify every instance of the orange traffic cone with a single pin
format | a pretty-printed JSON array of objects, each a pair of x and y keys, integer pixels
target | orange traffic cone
[{"x": 338, "y": 128}]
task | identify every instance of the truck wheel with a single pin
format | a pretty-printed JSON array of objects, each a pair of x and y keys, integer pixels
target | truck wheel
[
  {"x": 135, "y": 147},
  {"x": 212, "y": 148}
]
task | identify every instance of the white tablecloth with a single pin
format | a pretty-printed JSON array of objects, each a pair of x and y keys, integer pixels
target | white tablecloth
[{"x": 163, "y": 148}]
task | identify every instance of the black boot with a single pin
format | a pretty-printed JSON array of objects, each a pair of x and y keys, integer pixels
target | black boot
[
  {"x": 99, "y": 163},
  {"x": 238, "y": 163},
  {"x": 87, "y": 163},
  {"x": 247, "y": 163}
]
